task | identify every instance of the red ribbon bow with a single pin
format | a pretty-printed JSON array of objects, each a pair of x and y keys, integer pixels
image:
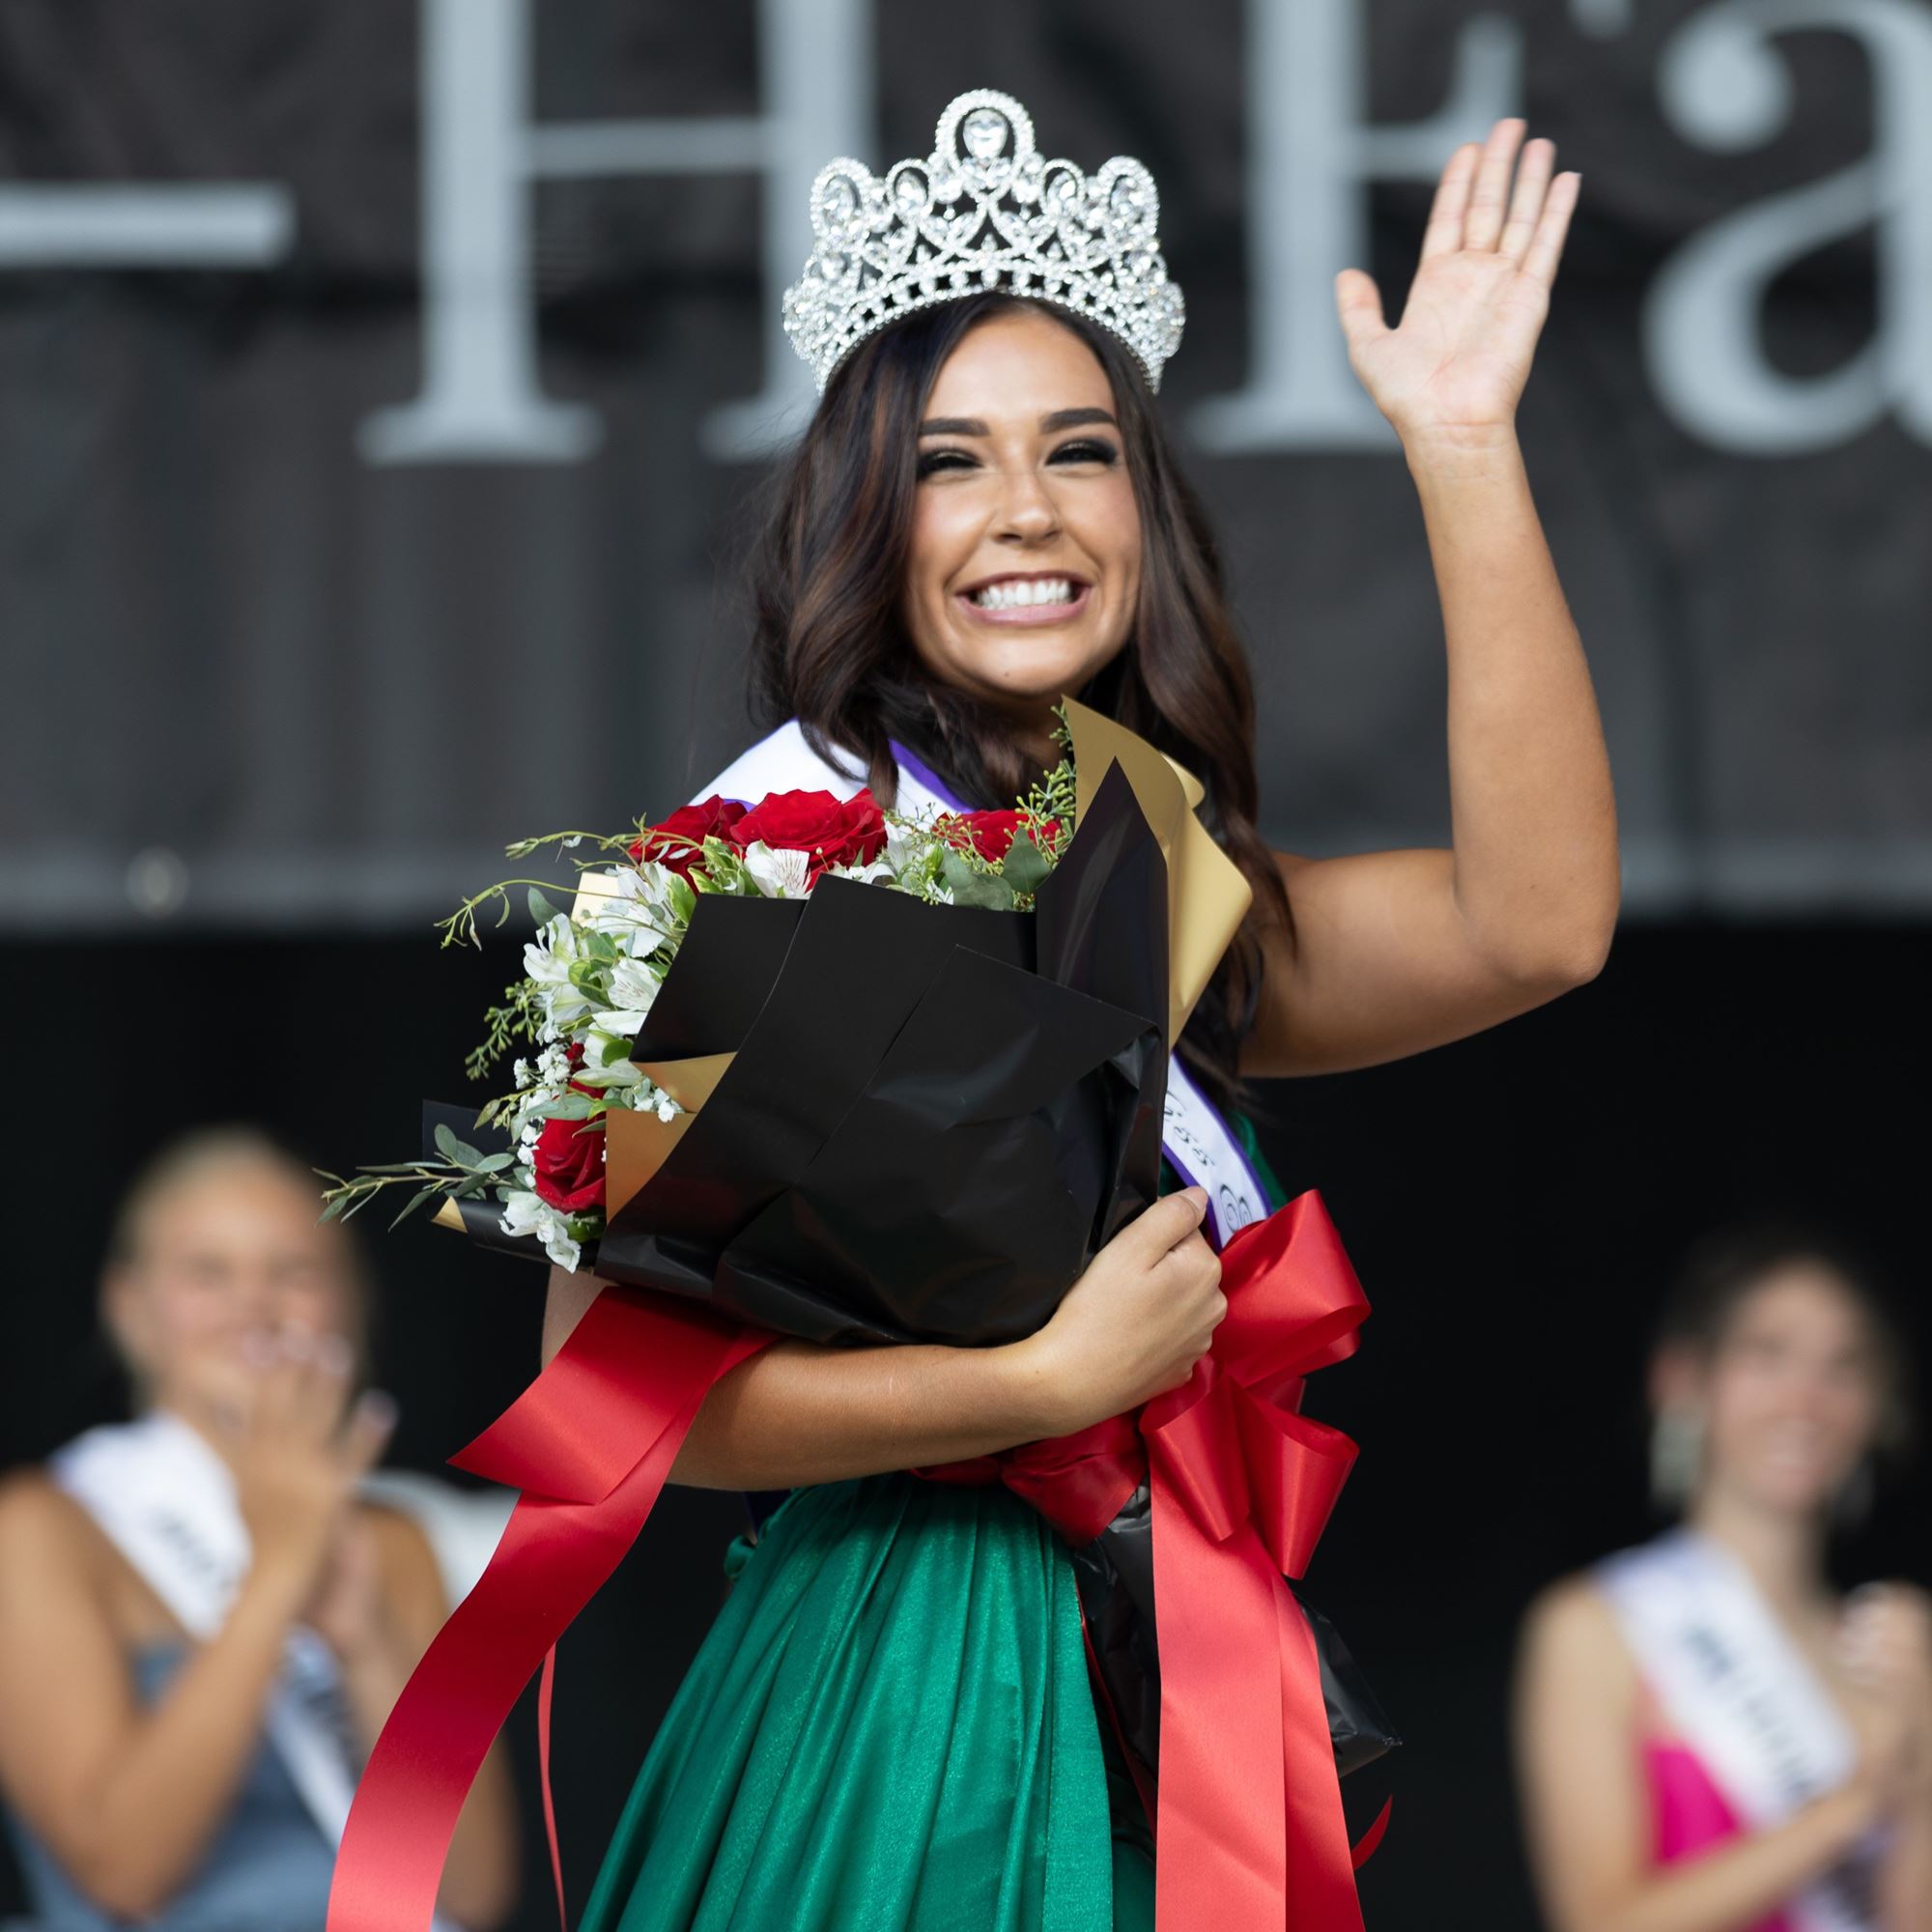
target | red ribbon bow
[{"x": 1249, "y": 1825}]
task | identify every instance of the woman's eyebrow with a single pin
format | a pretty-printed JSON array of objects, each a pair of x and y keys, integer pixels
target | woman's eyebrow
[{"x": 973, "y": 426}]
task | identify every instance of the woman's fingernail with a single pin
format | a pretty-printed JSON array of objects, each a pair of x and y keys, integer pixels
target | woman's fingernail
[
  {"x": 297, "y": 1343},
  {"x": 334, "y": 1356}
]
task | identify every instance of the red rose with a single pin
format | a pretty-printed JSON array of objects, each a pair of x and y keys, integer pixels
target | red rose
[
  {"x": 679, "y": 842},
  {"x": 991, "y": 833},
  {"x": 849, "y": 831},
  {"x": 569, "y": 1163}
]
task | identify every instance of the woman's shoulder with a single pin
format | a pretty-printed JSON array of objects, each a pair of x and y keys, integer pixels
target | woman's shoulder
[
  {"x": 1572, "y": 1623},
  {"x": 45, "y": 1534}
]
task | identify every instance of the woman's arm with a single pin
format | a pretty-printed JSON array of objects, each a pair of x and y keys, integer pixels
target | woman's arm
[
  {"x": 379, "y": 1607},
  {"x": 1587, "y": 1813},
  {"x": 1388, "y": 952},
  {"x": 797, "y": 1413}
]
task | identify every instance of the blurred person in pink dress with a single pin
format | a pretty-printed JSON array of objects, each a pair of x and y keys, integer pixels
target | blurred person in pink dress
[{"x": 1709, "y": 1737}]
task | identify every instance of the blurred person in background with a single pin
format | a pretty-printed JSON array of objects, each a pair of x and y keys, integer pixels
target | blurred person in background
[
  {"x": 1710, "y": 1738},
  {"x": 204, "y": 1619}
]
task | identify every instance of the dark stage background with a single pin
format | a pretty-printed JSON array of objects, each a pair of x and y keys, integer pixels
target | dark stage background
[
  {"x": 380, "y": 387},
  {"x": 1513, "y": 1204}
]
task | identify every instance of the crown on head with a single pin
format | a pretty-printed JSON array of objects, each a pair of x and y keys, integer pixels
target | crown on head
[{"x": 984, "y": 210}]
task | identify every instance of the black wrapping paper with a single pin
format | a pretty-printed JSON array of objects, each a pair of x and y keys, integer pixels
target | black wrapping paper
[{"x": 935, "y": 1116}]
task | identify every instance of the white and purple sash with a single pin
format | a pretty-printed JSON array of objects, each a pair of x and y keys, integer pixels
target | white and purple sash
[
  {"x": 1197, "y": 1140},
  {"x": 1743, "y": 1697}
]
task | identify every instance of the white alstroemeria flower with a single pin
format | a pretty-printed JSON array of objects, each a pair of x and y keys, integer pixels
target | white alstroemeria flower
[
  {"x": 657, "y": 888},
  {"x": 778, "y": 876},
  {"x": 645, "y": 893},
  {"x": 623, "y": 1072},
  {"x": 529, "y": 1213},
  {"x": 549, "y": 957},
  {"x": 634, "y": 988},
  {"x": 547, "y": 960},
  {"x": 905, "y": 843},
  {"x": 867, "y": 875}
]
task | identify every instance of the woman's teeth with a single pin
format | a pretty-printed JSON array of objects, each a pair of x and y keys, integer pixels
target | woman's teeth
[{"x": 1017, "y": 592}]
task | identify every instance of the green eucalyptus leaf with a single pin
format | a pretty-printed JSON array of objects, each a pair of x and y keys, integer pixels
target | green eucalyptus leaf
[
  {"x": 540, "y": 909},
  {"x": 459, "y": 1154},
  {"x": 1025, "y": 864},
  {"x": 417, "y": 1199}
]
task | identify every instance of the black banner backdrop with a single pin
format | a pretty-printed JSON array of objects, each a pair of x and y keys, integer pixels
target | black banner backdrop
[{"x": 381, "y": 384}]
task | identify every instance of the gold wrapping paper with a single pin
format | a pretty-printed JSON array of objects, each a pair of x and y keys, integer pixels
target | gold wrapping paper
[{"x": 1207, "y": 898}]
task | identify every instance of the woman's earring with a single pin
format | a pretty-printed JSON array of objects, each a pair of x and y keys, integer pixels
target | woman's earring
[
  {"x": 1676, "y": 1456},
  {"x": 1853, "y": 1503}
]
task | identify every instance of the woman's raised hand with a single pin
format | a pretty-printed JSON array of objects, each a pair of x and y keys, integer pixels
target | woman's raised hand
[
  {"x": 1139, "y": 1318},
  {"x": 298, "y": 1454},
  {"x": 1456, "y": 363}
]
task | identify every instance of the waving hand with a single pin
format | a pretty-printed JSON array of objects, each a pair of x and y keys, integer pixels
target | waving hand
[{"x": 1456, "y": 360}]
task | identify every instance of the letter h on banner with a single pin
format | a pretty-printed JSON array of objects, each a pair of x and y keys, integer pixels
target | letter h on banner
[{"x": 480, "y": 398}]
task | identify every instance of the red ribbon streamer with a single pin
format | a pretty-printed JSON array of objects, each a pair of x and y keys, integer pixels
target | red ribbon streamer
[
  {"x": 589, "y": 1444},
  {"x": 1249, "y": 1827}
]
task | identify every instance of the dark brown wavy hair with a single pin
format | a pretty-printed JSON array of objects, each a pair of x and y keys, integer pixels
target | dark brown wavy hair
[{"x": 830, "y": 645}]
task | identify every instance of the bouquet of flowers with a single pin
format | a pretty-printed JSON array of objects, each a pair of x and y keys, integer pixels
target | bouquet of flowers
[{"x": 593, "y": 975}]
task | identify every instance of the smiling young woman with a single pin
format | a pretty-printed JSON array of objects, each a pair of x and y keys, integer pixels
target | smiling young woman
[{"x": 890, "y": 1722}]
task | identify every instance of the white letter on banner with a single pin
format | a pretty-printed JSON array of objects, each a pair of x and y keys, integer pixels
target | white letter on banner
[
  {"x": 480, "y": 398},
  {"x": 1312, "y": 154},
  {"x": 123, "y": 225},
  {"x": 1724, "y": 86}
]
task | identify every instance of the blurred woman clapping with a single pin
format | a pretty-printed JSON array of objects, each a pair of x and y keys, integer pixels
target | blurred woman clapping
[{"x": 203, "y": 1627}]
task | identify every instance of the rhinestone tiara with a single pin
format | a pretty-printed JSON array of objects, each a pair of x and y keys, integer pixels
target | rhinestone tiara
[{"x": 984, "y": 210}]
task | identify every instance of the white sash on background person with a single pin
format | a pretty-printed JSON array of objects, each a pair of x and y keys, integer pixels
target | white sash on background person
[
  {"x": 1198, "y": 1143},
  {"x": 1743, "y": 1697},
  {"x": 163, "y": 1497}
]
